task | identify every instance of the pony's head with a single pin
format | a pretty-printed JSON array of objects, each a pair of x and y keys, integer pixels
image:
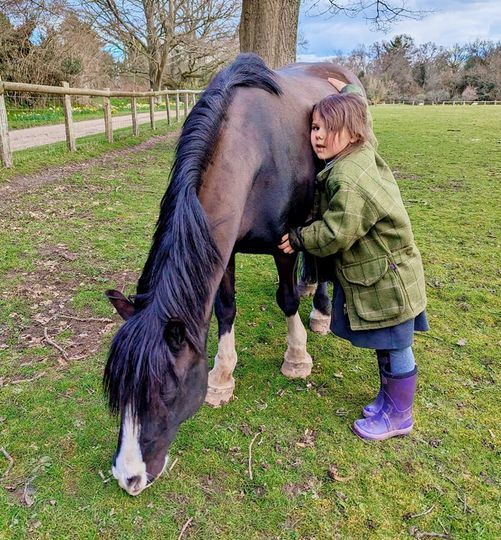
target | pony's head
[{"x": 155, "y": 379}]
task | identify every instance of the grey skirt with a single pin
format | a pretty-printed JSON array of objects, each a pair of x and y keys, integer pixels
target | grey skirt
[{"x": 399, "y": 336}]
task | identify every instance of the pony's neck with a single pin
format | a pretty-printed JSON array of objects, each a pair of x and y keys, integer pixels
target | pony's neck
[{"x": 223, "y": 195}]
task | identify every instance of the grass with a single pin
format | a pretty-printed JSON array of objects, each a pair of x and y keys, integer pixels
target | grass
[
  {"x": 39, "y": 158},
  {"x": 63, "y": 244}
]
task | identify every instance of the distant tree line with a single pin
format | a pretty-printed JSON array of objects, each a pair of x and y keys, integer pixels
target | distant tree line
[
  {"x": 400, "y": 69},
  {"x": 154, "y": 44},
  {"x": 157, "y": 44}
]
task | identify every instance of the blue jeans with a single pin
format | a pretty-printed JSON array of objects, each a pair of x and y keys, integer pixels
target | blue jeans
[{"x": 401, "y": 360}]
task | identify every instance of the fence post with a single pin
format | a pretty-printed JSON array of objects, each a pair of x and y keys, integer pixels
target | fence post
[
  {"x": 5, "y": 153},
  {"x": 68, "y": 120},
  {"x": 108, "y": 127},
  {"x": 167, "y": 108},
  {"x": 185, "y": 104},
  {"x": 177, "y": 107},
  {"x": 133, "y": 109},
  {"x": 152, "y": 111}
]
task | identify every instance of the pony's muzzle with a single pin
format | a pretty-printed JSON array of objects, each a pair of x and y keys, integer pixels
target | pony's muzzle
[{"x": 133, "y": 485}]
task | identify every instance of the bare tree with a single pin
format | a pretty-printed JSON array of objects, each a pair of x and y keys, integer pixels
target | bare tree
[
  {"x": 380, "y": 13},
  {"x": 269, "y": 27},
  {"x": 172, "y": 39}
]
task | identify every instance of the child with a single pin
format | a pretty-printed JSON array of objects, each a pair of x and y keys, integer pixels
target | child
[{"x": 379, "y": 289}]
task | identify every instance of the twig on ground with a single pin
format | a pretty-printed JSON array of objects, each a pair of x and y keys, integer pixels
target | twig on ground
[
  {"x": 9, "y": 458},
  {"x": 173, "y": 464},
  {"x": 185, "y": 526},
  {"x": 31, "y": 379},
  {"x": 422, "y": 513},
  {"x": 414, "y": 531},
  {"x": 443, "y": 527},
  {"x": 428, "y": 335},
  {"x": 85, "y": 319},
  {"x": 62, "y": 362},
  {"x": 103, "y": 478},
  {"x": 250, "y": 453},
  {"x": 466, "y": 507}
]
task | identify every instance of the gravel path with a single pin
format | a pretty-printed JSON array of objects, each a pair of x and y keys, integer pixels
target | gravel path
[{"x": 38, "y": 136}]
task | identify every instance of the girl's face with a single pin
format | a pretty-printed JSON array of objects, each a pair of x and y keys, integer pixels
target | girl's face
[{"x": 327, "y": 145}]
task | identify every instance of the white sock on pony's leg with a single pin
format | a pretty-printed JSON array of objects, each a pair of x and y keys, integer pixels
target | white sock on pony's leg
[
  {"x": 221, "y": 381},
  {"x": 319, "y": 322},
  {"x": 298, "y": 362}
]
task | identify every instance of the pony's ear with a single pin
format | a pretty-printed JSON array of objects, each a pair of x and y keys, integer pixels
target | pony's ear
[
  {"x": 175, "y": 334},
  {"x": 123, "y": 305}
]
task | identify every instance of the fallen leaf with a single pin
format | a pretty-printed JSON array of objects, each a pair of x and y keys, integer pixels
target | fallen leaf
[{"x": 333, "y": 474}]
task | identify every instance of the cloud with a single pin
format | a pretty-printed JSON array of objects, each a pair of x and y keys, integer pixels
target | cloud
[{"x": 457, "y": 21}]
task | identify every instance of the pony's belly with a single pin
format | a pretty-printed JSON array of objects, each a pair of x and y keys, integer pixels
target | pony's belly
[{"x": 259, "y": 246}]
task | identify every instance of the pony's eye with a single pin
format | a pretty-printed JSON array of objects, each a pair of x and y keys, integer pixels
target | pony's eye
[{"x": 168, "y": 390}]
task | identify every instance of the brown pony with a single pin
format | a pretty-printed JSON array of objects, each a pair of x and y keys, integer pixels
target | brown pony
[{"x": 243, "y": 175}]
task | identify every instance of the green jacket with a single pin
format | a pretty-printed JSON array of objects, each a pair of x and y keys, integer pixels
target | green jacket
[{"x": 365, "y": 225}]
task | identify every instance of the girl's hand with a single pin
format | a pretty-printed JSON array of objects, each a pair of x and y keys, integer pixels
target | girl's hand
[
  {"x": 285, "y": 245},
  {"x": 337, "y": 84}
]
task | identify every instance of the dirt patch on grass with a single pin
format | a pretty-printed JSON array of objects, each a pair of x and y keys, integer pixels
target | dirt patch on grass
[
  {"x": 71, "y": 334},
  {"x": 20, "y": 184},
  {"x": 402, "y": 175},
  {"x": 310, "y": 485}
]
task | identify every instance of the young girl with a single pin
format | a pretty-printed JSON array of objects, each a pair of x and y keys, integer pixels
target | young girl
[{"x": 379, "y": 289}]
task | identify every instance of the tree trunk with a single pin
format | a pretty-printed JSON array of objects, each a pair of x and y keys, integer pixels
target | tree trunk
[{"x": 269, "y": 28}]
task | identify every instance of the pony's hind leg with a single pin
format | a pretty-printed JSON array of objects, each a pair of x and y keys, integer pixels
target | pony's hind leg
[
  {"x": 311, "y": 283},
  {"x": 320, "y": 316},
  {"x": 297, "y": 362},
  {"x": 221, "y": 381},
  {"x": 307, "y": 284}
]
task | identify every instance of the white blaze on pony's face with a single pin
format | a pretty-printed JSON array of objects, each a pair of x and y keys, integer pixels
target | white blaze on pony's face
[{"x": 128, "y": 465}]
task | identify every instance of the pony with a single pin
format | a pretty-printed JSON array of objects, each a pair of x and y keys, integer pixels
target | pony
[{"x": 243, "y": 174}]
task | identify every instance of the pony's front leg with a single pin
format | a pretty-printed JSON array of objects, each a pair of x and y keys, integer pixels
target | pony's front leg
[
  {"x": 297, "y": 362},
  {"x": 221, "y": 381}
]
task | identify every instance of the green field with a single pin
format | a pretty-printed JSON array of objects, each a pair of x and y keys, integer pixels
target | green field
[{"x": 63, "y": 244}]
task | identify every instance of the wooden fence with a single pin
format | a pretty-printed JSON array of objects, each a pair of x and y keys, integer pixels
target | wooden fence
[
  {"x": 182, "y": 100},
  {"x": 430, "y": 102}
]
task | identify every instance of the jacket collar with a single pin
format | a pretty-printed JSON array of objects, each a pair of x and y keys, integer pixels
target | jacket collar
[{"x": 324, "y": 173}]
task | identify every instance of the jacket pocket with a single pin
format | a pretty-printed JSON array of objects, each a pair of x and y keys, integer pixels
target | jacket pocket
[{"x": 376, "y": 287}]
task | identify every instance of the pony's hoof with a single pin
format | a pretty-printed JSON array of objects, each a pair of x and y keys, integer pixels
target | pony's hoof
[
  {"x": 320, "y": 323},
  {"x": 306, "y": 289},
  {"x": 297, "y": 370},
  {"x": 216, "y": 397}
]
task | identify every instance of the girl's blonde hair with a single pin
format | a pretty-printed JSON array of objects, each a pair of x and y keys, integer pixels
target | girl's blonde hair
[{"x": 348, "y": 111}]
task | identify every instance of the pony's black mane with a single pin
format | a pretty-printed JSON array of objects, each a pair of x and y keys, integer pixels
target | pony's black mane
[{"x": 183, "y": 256}]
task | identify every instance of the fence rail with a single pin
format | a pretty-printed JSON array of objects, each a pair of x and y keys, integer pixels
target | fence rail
[
  {"x": 182, "y": 99},
  {"x": 439, "y": 102}
]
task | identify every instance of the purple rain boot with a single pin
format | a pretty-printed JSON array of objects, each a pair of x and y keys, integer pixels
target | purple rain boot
[
  {"x": 395, "y": 416},
  {"x": 375, "y": 405}
]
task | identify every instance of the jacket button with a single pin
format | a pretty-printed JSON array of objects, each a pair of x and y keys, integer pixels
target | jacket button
[{"x": 409, "y": 252}]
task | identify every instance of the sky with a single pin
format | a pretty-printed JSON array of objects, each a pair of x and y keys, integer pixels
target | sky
[{"x": 452, "y": 21}]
